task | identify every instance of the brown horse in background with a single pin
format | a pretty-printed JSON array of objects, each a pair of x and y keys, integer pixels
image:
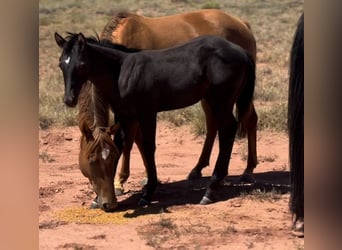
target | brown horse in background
[
  {"x": 98, "y": 153},
  {"x": 135, "y": 31}
]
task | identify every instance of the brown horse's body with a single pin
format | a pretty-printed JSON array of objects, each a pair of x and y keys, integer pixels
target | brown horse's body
[{"x": 141, "y": 32}]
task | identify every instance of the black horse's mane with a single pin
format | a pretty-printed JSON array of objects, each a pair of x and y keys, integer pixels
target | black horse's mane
[{"x": 72, "y": 37}]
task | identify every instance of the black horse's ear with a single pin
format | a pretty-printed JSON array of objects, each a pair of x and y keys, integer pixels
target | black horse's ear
[
  {"x": 59, "y": 40},
  {"x": 81, "y": 39}
]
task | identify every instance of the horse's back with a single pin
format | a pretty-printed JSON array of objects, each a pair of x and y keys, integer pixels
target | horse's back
[{"x": 162, "y": 32}]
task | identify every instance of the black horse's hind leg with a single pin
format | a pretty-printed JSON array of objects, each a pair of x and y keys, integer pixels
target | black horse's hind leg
[
  {"x": 148, "y": 135},
  {"x": 226, "y": 132},
  {"x": 204, "y": 158},
  {"x": 249, "y": 123}
]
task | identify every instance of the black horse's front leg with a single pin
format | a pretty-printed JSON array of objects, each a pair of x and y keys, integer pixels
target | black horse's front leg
[{"x": 148, "y": 136}]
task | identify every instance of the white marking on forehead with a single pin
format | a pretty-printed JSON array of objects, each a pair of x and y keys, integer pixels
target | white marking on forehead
[
  {"x": 105, "y": 152},
  {"x": 67, "y": 60}
]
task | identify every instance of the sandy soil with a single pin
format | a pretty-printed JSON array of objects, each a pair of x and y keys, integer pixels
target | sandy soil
[{"x": 245, "y": 217}]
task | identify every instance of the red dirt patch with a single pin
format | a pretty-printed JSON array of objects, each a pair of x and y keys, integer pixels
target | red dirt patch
[{"x": 245, "y": 216}]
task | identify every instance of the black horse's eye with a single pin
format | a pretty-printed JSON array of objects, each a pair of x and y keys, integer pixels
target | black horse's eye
[{"x": 81, "y": 66}]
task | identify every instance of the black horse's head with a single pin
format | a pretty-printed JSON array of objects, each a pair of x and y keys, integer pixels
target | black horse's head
[{"x": 74, "y": 64}]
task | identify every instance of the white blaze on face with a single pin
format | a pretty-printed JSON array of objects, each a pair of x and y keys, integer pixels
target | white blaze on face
[
  {"x": 105, "y": 153},
  {"x": 67, "y": 60}
]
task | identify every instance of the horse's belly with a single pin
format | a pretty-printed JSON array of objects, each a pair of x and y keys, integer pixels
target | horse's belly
[{"x": 181, "y": 98}]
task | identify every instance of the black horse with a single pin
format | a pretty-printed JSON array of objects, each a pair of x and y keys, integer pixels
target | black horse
[
  {"x": 296, "y": 127},
  {"x": 137, "y": 85}
]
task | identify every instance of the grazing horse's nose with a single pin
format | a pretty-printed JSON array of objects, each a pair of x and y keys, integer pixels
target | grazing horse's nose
[
  {"x": 105, "y": 206},
  {"x": 108, "y": 207}
]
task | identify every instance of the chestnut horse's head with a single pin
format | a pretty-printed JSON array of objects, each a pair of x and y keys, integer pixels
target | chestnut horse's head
[{"x": 97, "y": 158}]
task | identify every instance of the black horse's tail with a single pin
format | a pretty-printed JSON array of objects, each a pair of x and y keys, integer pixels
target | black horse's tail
[
  {"x": 296, "y": 121},
  {"x": 245, "y": 100}
]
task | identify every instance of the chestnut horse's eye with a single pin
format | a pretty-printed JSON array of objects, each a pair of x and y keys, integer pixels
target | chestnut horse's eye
[{"x": 92, "y": 159}]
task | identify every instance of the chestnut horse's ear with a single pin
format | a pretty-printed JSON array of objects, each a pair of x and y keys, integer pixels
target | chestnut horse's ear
[
  {"x": 59, "y": 40},
  {"x": 86, "y": 131}
]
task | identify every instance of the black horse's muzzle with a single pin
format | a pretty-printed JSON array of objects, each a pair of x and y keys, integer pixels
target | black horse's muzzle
[{"x": 70, "y": 101}]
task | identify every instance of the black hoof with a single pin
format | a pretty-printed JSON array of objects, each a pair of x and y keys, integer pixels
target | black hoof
[
  {"x": 194, "y": 174},
  {"x": 205, "y": 201},
  {"x": 298, "y": 228},
  {"x": 144, "y": 202},
  {"x": 247, "y": 177}
]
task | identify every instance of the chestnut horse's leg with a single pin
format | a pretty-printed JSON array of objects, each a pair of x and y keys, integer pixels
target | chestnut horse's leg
[
  {"x": 249, "y": 123},
  {"x": 226, "y": 132},
  {"x": 204, "y": 158}
]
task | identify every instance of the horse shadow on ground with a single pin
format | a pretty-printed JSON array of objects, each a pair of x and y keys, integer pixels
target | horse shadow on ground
[{"x": 191, "y": 191}]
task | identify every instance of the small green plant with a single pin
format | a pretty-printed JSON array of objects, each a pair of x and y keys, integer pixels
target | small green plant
[
  {"x": 262, "y": 196},
  {"x": 166, "y": 223},
  {"x": 243, "y": 151},
  {"x": 269, "y": 158},
  {"x": 193, "y": 116},
  {"x": 230, "y": 229},
  {"x": 45, "y": 157},
  {"x": 211, "y": 5},
  {"x": 273, "y": 118}
]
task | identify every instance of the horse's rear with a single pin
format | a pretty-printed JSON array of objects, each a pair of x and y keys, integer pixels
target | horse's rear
[
  {"x": 141, "y": 32},
  {"x": 296, "y": 127}
]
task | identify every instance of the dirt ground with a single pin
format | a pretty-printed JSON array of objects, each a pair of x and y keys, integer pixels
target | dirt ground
[{"x": 254, "y": 216}]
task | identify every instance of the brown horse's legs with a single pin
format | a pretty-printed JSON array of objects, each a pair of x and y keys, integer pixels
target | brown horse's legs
[
  {"x": 249, "y": 122},
  {"x": 204, "y": 158},
  {"x": 148, "y": 136},
  {"x": 226, "y": 134},
  {"x": 124, "y": 171}
]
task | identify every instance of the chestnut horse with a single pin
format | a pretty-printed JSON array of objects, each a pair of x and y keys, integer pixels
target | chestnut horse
[
  {"x": 98, "y": 153},
  {"x": 135, "y": 31},
  {"x": 137, "y": 85},
  {"x": 296, "y": 128}
]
